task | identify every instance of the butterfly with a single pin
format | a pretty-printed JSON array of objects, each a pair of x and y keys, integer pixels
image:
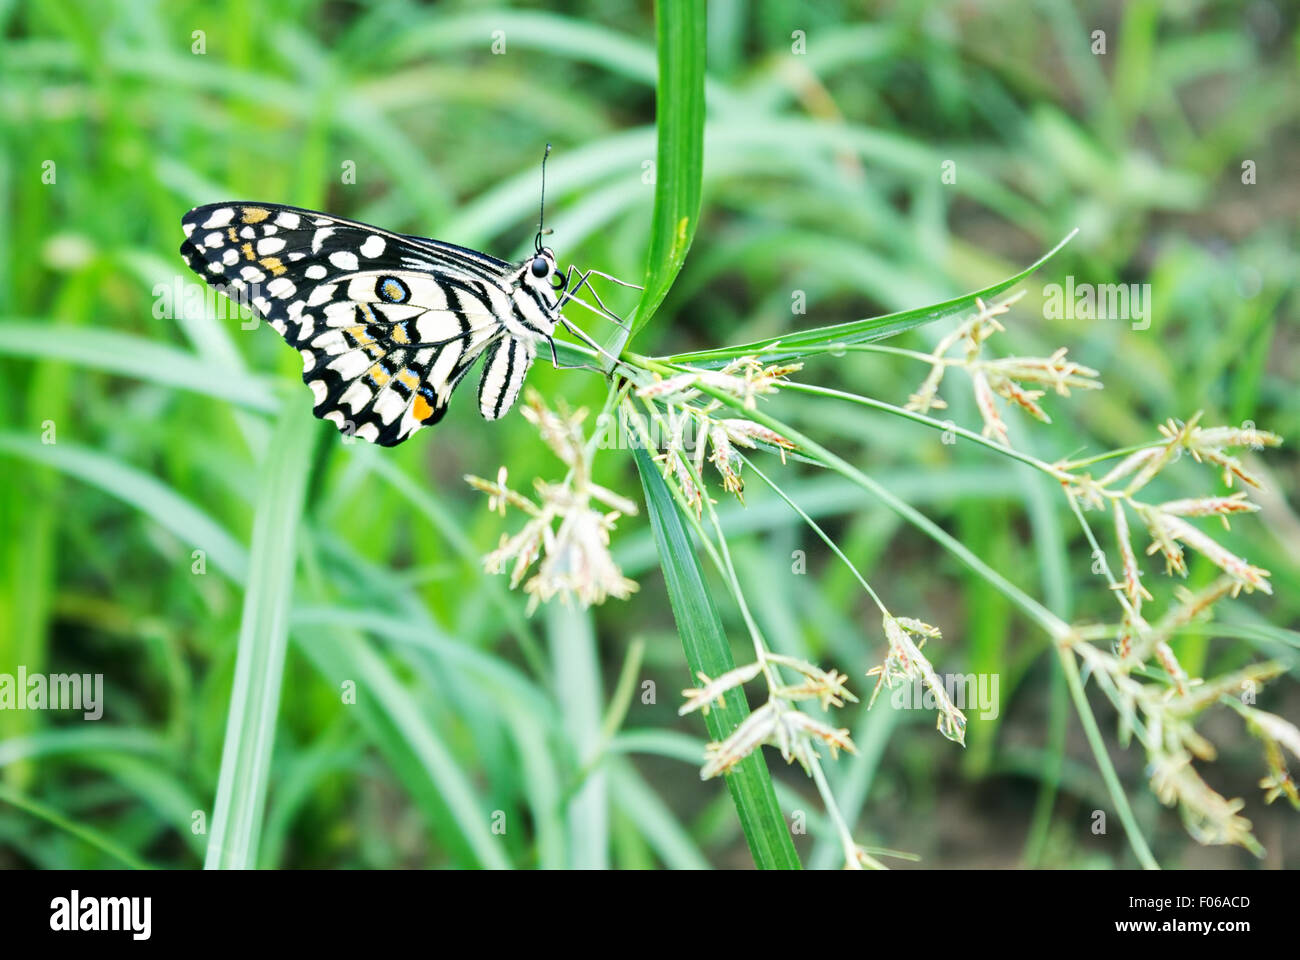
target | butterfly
[{"x": 388, "y": 325}]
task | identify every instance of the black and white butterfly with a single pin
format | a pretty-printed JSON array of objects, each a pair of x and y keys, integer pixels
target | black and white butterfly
[{"x": 387, "y": 325}]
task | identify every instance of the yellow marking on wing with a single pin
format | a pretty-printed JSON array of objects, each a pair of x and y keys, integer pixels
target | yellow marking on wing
[
  {"x": 409, "y": 378},
  {"x": 230, "y": 231},
  {"x": 374, "y": 349},
  {"x": 378, "y": 377},
  {"x": 399, "y": 333},
  {"x": 255, "y": 214},
  {"x": 273, "y": 264},
  {"x": 248, "y": 252},
  {"x": 358, "y": 333},
  {"x": 421, "y": 409}
]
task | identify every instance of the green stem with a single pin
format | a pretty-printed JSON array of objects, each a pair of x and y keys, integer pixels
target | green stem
[
  {"x": 1073, "y": 465},
  {"x": 1098, "y": 745},
  {"x": 1057, "y": 628},
  {"x": 946, "y": 425},
  {"x": 1060, "y": 632}
]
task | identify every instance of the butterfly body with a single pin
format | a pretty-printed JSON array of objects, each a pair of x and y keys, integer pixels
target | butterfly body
[{"x": 387, "y": 325}]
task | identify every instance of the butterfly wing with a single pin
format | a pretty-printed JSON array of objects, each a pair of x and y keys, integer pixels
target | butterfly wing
[{"x": 387, "y": 325}]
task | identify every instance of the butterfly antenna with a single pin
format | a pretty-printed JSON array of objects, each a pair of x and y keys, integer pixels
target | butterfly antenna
[{"x": 541, "y": 210}]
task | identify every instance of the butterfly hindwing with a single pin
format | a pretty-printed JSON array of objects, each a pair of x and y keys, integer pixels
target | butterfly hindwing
[
  {"x": 507, "y": 363},
  {"x": 387, "y": 325}
]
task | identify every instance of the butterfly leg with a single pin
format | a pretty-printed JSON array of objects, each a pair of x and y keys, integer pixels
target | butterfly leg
[
  {"x": 613, "y": 279},
  {"x": 577, "y": 332},
  {"x": 555, "y": 359},
  {"x": 584, "y": 280}
]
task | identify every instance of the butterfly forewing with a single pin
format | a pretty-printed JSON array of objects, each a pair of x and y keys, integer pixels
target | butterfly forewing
[{"x": 387, "y": 325}]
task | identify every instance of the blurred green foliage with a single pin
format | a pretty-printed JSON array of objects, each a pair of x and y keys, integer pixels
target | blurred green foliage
[{"x": 823, "y": 175}]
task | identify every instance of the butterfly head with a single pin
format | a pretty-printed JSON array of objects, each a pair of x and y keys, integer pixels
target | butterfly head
[{"x": 543, "y": 271}]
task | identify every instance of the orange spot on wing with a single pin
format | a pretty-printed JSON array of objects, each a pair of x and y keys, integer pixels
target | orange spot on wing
[
  {"x": 358, "y": 335},
  {"x": 421, "y": 408}
]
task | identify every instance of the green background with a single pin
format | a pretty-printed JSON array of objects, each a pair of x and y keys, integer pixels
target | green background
[{"x": 822, "y": 176}]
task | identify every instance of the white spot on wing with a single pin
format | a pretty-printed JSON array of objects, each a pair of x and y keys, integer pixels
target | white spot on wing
[
  {"x": 322, "y": 294},
  {"x": 373, "y": 246},
  {"x": 443, "y": 368},
  {"x": 331, "y": 342},
  {"x": 389, "y": 405},
  {"x": 356, "y": 396},
  {"x": 318, "y": 390},
  {"x": 219, "y": 218},
  {"x": 436, "y": 327},
  {"x": 344, "y": 259},
  {"x": 340, "y": 313},
  {"x": 351, "y": 365}
]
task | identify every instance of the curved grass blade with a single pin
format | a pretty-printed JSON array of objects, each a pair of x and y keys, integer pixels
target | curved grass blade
[
  {"x": 795, "y": 345},
  {"x": 137, "y": 357},
  {"x": 705, "y": 643},
  {"x": 106, "y": 845},
  {"x": 662, "y": 832},
  {"x": 154, "y": 499},
  {"x": 392, "y": 717}
]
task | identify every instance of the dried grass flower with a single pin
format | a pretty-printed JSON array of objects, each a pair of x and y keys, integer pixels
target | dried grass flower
[{"x": 568, "y": 525}]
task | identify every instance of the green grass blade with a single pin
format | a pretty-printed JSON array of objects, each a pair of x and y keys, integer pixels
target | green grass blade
[
  {"x": 638, "y": 800},
  {"x": 679, "y": 167},
  {"x": 794, "y": 345},
  {"x": 146, "y": 493},
  {"x": 138, "y": 357},
  {"x": 263, "y": 638},
  {"x": 705, "y": 643},
  {"x": 96, "y": 839},
  {"x": 394, "y": 720},
  {"x": 576, "y": 669}
]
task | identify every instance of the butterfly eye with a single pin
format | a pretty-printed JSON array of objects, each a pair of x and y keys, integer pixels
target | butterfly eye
[{"x": 540, "y": 267}]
